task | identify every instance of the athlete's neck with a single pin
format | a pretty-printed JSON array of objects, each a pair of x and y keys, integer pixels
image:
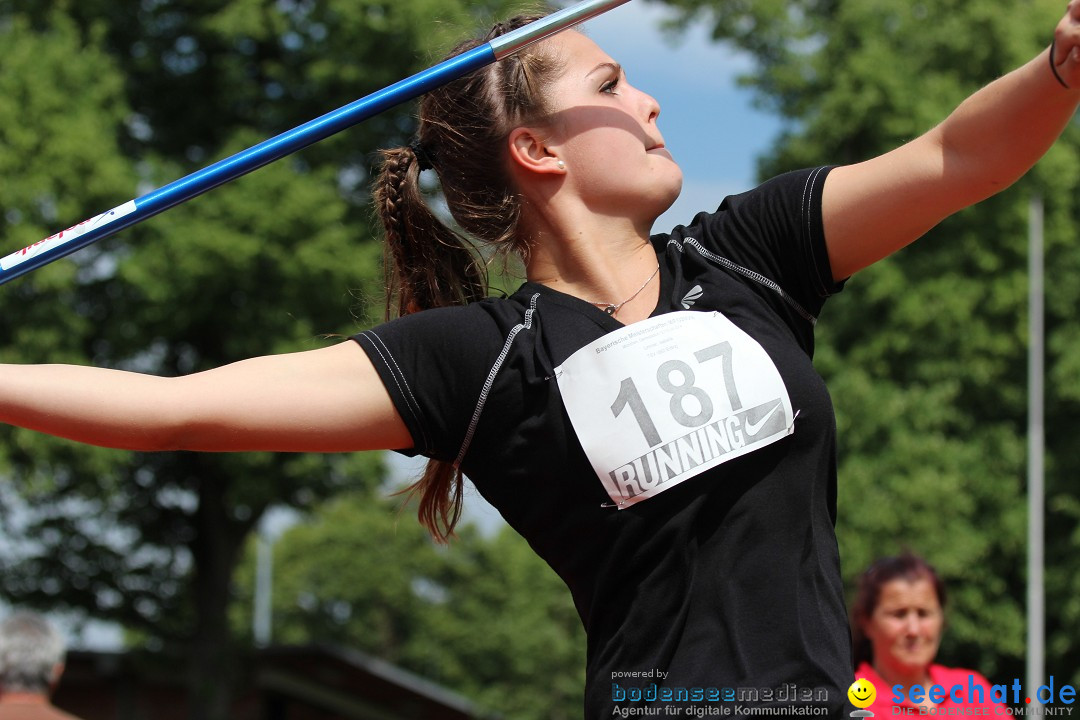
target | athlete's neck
[
  {"x": 607, "y": 268},
  {"x": 626, "y": 285}
]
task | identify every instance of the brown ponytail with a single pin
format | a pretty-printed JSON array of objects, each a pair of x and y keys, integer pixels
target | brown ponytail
[
  {"x": 428, "y": 265},
  {"x": 462, "y": 134}
]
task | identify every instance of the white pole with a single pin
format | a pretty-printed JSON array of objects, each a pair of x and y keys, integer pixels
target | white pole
[
  {"x": 264, "y": 601},
  {"x": 1036, "y": 670}
]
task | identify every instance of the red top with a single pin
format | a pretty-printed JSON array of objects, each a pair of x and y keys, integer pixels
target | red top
[{"x": 959, "y": 688}]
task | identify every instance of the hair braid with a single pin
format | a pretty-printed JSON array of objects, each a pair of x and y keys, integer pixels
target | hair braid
[
  {"x": 463, "y": 130},
  {"x": 429, "y": 265}
]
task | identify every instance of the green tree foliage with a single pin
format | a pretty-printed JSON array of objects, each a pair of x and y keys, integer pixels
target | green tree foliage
[
  {"x": 484, "y": 616},
  {"x": 925, "y": 353},
  {"x": 100, "y": 102}
]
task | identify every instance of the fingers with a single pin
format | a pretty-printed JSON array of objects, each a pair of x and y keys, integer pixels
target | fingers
[{"x": 1065, "y": 56}]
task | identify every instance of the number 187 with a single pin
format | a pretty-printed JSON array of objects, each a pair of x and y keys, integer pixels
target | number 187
[{"x": 666, "y": 376}]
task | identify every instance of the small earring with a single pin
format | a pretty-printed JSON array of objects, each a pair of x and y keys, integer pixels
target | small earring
[{"x": 561, "y": 165}]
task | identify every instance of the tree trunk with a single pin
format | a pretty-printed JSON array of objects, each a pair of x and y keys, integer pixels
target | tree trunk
[{"x": 212, "y": 657}]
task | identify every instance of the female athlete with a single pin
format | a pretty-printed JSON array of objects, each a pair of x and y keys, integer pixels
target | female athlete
[{"x": 643, "y": 410}]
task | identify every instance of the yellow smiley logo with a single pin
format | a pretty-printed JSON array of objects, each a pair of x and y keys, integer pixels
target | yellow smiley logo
[{"x": 862, "y": 693}]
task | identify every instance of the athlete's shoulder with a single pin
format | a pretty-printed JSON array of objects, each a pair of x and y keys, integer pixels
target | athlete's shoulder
[{"x": 490, "y": 312}]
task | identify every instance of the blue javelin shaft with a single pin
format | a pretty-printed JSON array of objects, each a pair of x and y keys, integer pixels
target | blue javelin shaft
[{"x": 134, "y": 211}]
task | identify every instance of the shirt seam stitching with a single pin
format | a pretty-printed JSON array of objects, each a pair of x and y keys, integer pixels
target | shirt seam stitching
[
  {"x": 490, "y": 381},
  {"x": 748, "y": 273},
  {"x": 399, "y": 379},
  {"x": 807, "y": 198}
]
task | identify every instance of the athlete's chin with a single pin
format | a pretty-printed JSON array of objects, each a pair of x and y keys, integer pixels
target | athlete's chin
[{"x": 670, "y": 193}]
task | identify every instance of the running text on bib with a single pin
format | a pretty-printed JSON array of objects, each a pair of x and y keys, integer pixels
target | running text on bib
[{"x": 660, "y": 401}]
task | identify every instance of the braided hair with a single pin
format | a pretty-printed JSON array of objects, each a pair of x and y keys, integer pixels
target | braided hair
[{"x": 462, "y": 136}]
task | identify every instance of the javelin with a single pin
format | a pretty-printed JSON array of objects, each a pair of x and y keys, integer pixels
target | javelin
[{"x": 134, "y": 211}]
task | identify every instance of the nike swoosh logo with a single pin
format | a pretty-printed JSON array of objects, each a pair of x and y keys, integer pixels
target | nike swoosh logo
[{"x": 753, "y": 428}]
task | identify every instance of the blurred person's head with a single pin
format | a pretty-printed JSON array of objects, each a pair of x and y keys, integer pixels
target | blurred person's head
[
  {"x": 31, "y": 654},
  {"x": 898, "y": 616}
]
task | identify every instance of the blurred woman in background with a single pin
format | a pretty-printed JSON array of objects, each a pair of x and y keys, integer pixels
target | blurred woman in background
[{"x": 897, "y": 619}]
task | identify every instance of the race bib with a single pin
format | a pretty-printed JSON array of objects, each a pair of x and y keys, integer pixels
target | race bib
[{"x": 660, "y": 401}]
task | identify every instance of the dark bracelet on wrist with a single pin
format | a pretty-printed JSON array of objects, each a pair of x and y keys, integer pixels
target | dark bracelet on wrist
[{"x": 1053, "y": 67}]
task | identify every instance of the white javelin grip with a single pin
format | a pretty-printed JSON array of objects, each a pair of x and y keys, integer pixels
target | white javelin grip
[{"x": 65, "y": 236}]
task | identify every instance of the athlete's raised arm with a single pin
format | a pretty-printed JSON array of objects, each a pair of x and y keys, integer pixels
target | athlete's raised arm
[
  {"x": 325, "y": 400},
  {"x": 876, "y": 207}
]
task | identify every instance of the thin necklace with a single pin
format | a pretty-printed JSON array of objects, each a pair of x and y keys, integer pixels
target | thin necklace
[{"x": 612, "y": 308}]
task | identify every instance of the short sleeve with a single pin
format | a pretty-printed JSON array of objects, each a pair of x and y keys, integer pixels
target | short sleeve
[
  {"x": 433, "y": 365},
  {"x": 776, "y": 230}
]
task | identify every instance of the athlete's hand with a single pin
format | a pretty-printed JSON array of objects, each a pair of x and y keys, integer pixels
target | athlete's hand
[{"x": 1066, "y": 50}]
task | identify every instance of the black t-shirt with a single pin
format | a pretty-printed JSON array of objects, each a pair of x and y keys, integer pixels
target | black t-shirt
[{"x": 728, "y": 584}]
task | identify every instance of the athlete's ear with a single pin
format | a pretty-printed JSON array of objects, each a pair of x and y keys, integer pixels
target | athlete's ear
[{"x": 528, "y": 151}]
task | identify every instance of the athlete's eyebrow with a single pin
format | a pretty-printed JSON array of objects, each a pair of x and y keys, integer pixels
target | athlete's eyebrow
[{"x": 608, "y": 66}]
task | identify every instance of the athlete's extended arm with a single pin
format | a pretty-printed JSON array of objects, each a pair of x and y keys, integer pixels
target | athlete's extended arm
[
  {"x": 325, "y": 400},
  {"x": 876, "y": 207}
]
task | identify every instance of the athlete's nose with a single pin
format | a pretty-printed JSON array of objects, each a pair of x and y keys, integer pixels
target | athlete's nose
[{"x": 652, "y": 107}]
